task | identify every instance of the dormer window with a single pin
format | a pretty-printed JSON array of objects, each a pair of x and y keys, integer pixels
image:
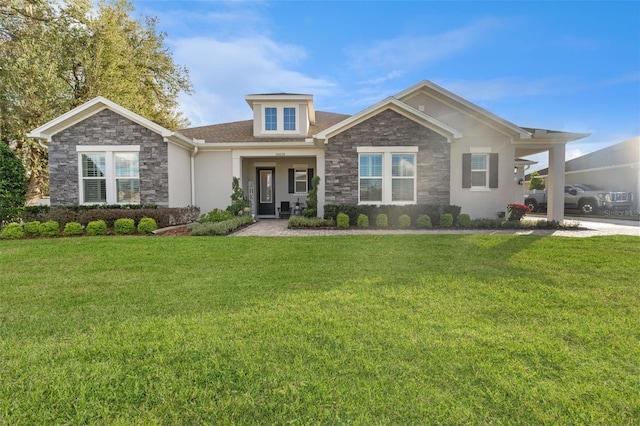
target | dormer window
[
  {"x": 280, "y": 119},
  {"x": 289, "y": 119},
  {"x": 286, "y": 115},
  {"x": 271, "y": 118}
]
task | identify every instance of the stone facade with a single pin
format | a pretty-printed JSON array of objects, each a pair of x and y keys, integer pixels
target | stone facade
[
  {"x": 108, "y": 128},
  {"x": 388, "y": 128}
]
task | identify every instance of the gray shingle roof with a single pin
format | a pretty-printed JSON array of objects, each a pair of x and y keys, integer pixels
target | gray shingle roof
[{"x": 242, "y": 131}]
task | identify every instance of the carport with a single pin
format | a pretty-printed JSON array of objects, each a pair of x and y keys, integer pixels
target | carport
[{"x": 554, "y": 143}]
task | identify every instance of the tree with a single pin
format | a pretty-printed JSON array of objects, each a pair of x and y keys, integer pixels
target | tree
[
  {"x": 55, "y": 56},
  {"x": 13, "y": 184},
  {"x": 536, "y": 182}
]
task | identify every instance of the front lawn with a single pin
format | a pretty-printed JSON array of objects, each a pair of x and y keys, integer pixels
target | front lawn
[{"x": 404, "y": 329}]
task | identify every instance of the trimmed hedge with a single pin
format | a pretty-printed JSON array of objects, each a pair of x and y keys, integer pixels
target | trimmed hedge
[
  {"x": 309, "y": 222},
  {"x": 424, "y": 222},
  {"x": 124, "y": 226},
  {"x": 446, "y": 220},
  {"x": 32, "y": 228},
  {"x": 164, "y": 217},
  {"x": 393, "y": 212},
  {"x": 363, "y": 221},
  {"x": 72, "y": 228},
  {"x": 11, "y": 232},
  {"x": 97, "y": 227},
  {"x": 404, "y": 221},
  {"x": 382, "y": 221},
  {"x": 147, "y": 225},
  {"x": 219, "y": 228},
  {"x": 50, "y": 228},
  {"x": 342, "y": 220}
]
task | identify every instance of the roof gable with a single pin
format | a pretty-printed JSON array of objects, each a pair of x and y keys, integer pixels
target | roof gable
[
  {"x": 92, "y": 107},
  {"x": 463, "y": 106},
  {"x": 395, "y": 105}
]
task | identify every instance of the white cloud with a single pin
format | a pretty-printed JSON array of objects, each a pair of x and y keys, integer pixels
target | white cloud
[
  {"x": 223, "y": 72},
  {"x": 409, "y": 52},
  {"x": 506, "y": 87}
]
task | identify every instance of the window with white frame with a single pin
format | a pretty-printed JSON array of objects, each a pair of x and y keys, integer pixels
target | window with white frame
[
  {"x": 280, "y": 119},
  {"x": 479, "y": 169},
  {"x": 271, "y": 118},
  {"x": 109, "y": 174},
  {"x": 289, "y": 116},
  {"x": 386, "y": 176},
  {"x": 301, "y": 180}
]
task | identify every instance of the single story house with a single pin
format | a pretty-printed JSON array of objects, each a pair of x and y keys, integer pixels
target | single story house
[
  {"x": 614, "y": 168},
  {"x": 425, "y": 145}
]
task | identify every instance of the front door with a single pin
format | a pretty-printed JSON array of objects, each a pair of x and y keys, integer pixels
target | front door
[{"x": 266, "y": 191}]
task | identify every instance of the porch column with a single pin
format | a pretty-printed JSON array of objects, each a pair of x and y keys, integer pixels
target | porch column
[
  {"x": 236, "y": 166},
  {"x": 555, "y": 185},
  {"x": 321, "y": 186}
]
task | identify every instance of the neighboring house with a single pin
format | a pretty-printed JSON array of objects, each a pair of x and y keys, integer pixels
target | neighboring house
[
  {"x": 424, "y": 145},
  {"x": 614, "y": 168}
]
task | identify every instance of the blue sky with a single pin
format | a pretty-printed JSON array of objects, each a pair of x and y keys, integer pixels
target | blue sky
[{"x": 563, "y": 65}]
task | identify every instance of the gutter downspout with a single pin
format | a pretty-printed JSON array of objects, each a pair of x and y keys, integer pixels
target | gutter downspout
[{"x": 193, "y": 175}]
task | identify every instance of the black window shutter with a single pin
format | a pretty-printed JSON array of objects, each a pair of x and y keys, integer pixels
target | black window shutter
[
  {"x": 309, "y": 179},
  {"x": 493, "y": 170},
  {"x": 466, "y": 170},
  {"x": 292, "y": 181}
]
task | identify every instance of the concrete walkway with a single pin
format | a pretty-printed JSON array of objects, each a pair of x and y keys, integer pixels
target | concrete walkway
[{"x": 589, "y": 228}]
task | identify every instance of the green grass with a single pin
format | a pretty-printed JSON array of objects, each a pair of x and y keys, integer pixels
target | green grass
[{"x": 429, "y": 329}]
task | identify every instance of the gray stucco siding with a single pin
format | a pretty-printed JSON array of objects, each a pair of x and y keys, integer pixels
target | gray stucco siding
[
  {"x": 108, "y": 128},
  {"x": 388, "y": 128}
]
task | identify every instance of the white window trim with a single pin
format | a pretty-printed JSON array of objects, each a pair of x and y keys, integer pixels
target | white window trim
[
  {"x": 387, "y": 153},
  {"x": 304, "y": 167},
  {"x": 280, "y": 119},
  {"x": 485, "y": 152},
  {"x": 110, "y": 171}
]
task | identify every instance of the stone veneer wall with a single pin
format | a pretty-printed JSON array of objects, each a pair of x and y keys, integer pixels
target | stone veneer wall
[
  {"x": 108, "y": 128},
  {"x": 388, "y": 128}
]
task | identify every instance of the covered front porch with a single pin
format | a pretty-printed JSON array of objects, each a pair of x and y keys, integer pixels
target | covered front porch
[{"x": 274, "y": 180}]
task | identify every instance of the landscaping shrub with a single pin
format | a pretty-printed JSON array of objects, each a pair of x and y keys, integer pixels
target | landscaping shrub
[
  {"x": 216, "y": 215},
  {"x": 446, "y": 220},
  {"x": 238, "y": 198},
  {"x": 13, "y": 184},
  {"x": 72, "y": 228},
  {"x": 11, "y": 232},
  {"x": 424, "y": 222},
  {"x": 32, "y": 228},
  {"x": 517, "y": 211},
  {"x": 124, "y": 226},
  {"x": 31, "y": 213},
  {"x": 147, "y": 225},
  {"x": 363, "y": 221},
  {"x": 404, "y": 221},
  {"x": 49, "y": 228},
  {"x": 97, "y": 227},
  {"x": 464, "y": 220},
  {"x": 219, "y": 228},
  {"x": 343, "y": 220},
  {"x": 164, "y": 217},
  {"x": 382, "y": 221},
  {"x": 312, "y": 198},
  {"x": 309, "y": 222}
]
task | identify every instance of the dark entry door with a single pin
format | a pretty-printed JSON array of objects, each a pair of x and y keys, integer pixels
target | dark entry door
[{"x": 266, "y": 191}]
